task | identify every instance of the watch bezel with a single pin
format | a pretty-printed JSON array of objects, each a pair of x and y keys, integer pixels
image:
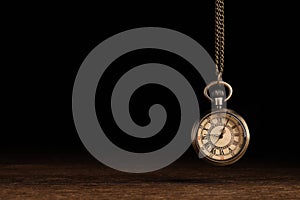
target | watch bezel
[{"x": 234, "y": 158}]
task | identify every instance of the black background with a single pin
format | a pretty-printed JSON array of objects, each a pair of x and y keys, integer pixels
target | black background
[{"x": 44, "y": 47}]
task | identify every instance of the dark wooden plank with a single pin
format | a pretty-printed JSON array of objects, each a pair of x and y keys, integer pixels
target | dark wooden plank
[{"x": 182, "y": 180}]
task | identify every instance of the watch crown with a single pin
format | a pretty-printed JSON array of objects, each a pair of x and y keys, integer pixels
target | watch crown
[{"x": 218, "y": 97}]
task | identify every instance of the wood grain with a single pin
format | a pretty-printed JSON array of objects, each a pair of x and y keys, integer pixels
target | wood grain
[{"x": 83, "y": 179}]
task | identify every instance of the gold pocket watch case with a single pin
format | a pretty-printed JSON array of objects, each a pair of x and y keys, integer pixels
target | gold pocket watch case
[{"x": 221, "y": 137}]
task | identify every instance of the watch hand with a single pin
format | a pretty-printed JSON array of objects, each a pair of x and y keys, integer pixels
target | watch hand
[
  {"x": 222, "y": 132},
  {"x": 218, "y": 139}
]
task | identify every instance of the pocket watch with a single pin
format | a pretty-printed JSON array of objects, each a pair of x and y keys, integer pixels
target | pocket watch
[{"x": 222, "y": 136}]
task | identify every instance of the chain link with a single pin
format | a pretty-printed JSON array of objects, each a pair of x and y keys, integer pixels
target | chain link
[{"x": 219, "y": 37}]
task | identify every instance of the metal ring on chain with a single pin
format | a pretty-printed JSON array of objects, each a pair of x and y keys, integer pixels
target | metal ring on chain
[{"x": 218, "y": 83}]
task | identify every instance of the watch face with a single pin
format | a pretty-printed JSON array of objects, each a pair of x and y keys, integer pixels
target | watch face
[{"x": 222, "y": 137}]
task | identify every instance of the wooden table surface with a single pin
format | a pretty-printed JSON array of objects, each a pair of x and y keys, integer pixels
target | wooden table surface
[{"x": 184, "y": 179}]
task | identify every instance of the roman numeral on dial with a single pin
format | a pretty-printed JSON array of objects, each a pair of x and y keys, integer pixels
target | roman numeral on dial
[
  {"x": 221, "y": 152},
  {"x": 207, "y": 145},
  {"x": 214, "y": 151},
  {"x": 231, "y": 151}
]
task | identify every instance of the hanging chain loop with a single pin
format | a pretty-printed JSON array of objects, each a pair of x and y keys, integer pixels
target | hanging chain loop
[
  {"x": 219, "y": 38},
  {"x": 219, "y": 50}
]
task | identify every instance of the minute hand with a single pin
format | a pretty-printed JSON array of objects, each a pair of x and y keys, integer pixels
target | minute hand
[{"x": 222, "y": 132}]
